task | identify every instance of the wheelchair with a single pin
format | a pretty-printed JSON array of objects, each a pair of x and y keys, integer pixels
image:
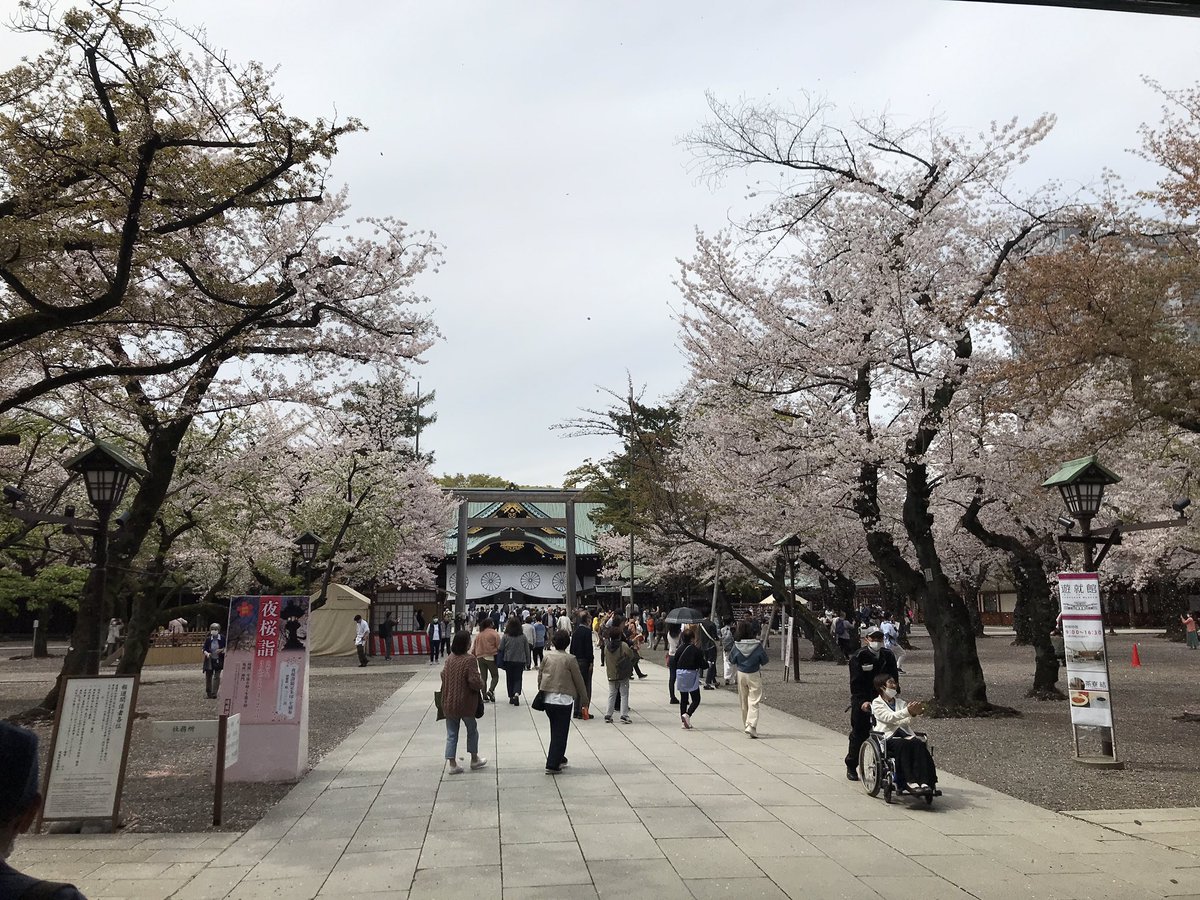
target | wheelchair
[{"x": 877, "y": 770}]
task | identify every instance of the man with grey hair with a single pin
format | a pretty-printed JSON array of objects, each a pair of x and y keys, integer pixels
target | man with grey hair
[{"x": 19, "y": 802}]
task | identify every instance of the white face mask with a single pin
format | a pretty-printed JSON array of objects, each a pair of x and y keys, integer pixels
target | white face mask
[
  {"x": 890, "y": 693},
  {"x": 875, "y": 645}
]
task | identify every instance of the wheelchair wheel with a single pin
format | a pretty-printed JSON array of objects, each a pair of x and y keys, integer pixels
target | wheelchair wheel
[{"x": 872, "y": 769}]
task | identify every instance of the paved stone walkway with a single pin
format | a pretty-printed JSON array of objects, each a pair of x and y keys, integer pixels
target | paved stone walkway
[{"x": 644, "y": 810}]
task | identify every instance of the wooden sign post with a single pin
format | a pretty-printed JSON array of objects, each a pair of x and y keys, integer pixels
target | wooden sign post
[{"x": 229, "y": 736}]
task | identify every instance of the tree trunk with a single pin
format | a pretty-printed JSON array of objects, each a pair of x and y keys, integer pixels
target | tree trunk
[
  {"x": 1034, "y": 601},
  {"x": 971, "y": 598},
  {"x": 1021, "y": 622},
  {"x": 91, "y": 620}
]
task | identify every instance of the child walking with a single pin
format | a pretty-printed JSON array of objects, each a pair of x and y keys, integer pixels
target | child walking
[{"x": 619, "y": 661}]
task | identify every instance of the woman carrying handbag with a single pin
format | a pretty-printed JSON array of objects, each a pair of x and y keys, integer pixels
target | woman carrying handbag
[{"x": 560, "y": 684}]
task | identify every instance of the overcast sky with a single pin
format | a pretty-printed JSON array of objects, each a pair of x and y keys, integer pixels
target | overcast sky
[{"x": 540, "y": 141}]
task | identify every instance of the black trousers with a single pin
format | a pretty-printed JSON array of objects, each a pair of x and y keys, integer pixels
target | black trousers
[
  {"x": 559, "y": 715},
  {"x": 710, "y": 674},
  {"x": 212, "y": 682},
  {"x": 914, "y": 765},
  {"x": 513, "y": 672},
  {"x": 586, "y": 667},
  {"x": 362, "y": 653},
  {"x": 860, "y": 727},
  {"x": 537, "y": 656},
  {"x": 688, "y": 702},
  {"x": 671, "y": 680}
]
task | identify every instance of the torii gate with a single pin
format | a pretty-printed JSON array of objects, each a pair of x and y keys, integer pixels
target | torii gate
[{"x": 466, "y": 521}]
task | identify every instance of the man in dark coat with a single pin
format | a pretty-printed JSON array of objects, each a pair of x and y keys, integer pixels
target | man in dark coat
[
  {"x": 870, "y": 660},
  {"x": 581, "y": 648}
]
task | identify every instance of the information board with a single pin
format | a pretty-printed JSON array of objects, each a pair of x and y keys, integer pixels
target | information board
[
  {"x": 89, "y": 748},
  {"x": 1085, "y": 649}
]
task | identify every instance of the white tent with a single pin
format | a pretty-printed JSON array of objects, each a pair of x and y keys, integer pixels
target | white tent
[{"x": 331, "y": 628}]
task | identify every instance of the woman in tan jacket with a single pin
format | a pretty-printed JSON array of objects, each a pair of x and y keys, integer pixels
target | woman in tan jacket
[
  {"x": 560, "y": 679},
  {"x": 461, "y": 684}
]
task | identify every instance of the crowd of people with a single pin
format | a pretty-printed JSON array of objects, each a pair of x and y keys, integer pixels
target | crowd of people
[{"x": 565, "y": 651}]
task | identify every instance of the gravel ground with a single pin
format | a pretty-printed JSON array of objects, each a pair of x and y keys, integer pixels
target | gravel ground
[
  {"x": 1031, "y": 757},
  {"x": 167, "y": 787}
]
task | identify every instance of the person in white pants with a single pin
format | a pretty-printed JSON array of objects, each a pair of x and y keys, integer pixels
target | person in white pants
[{"x": 749, "y": 656}]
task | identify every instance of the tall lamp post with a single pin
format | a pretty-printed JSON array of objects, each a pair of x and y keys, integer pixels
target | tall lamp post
[
  {"x": 106, "y": 473},
  {"x": 1081, "y": 482},
  {"x": 308, "y": 543},
  {"x": 791, "y": 547}
]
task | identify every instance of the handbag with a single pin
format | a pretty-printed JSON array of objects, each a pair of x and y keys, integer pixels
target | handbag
[
  {"x": 539, "y": 701},
  {"x": 437, "y": 702},
  {"x": 479, "y": 707}
]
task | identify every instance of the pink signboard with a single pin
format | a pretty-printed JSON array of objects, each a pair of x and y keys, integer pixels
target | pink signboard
[{"x": 266, "y": 683}]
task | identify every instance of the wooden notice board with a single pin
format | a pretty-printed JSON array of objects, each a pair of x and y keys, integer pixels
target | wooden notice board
[{"x": 89, "y": 748}]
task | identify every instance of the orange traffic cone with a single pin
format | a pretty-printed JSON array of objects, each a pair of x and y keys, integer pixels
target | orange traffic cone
[{"x": 1136, "y": 660}]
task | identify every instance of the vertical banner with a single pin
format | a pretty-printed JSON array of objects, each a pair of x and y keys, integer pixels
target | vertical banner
[
  {"x": 1085, "y": 649},
  {"x": 266, "y": 684},
  {"x": 89, "y": 748}
]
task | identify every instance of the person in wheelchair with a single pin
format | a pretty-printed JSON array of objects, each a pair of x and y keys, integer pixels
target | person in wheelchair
[{"x": 915, "y": 771}]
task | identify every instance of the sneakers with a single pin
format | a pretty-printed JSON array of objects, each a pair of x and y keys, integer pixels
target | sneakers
[
  {"x": 454, "y": 769},
  {"x": 550, "y": 771},
  {"x": 563, "y": 764},
  {"x": 608, "y": 719},
  {"x": 686, "y": 720},
  {"x": 675, "y": 701},
  {"x": 515, "y": 701},
  {"x": 491, "y": 697},
  {"x": 626, "y": 720},
  {"x": 478, "y": 763},
  {"x": 752, "y": 731}
]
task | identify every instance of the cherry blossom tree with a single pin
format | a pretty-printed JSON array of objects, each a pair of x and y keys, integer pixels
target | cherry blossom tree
[{"x": 853, "y": 300}]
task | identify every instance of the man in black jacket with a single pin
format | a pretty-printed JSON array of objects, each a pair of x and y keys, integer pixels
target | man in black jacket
[
  {"x": 581, "y": 649},
  {"x": 871, "y": 660}
]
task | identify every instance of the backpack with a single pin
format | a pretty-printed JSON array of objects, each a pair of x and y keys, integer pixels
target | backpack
[{"x": 625, "y": 665}]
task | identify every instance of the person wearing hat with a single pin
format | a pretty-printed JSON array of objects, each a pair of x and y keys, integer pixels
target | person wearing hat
[
  {"x": 871, "y": 660},
  {"x": 19, "y": 802}
]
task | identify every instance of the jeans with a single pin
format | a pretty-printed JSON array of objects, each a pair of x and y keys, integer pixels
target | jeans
[
  {"x": 514, "y": 671},
  {"x": 559, "y": 715},
  {"x": 452, "y": 724},
  {"x": 487, "y": 666},
  {"x": 614, "y": 688},
  {"x": 212, "y": 682},
  {"x": 750, "y": 694},
  {"x": 1191, "y": 641},
  {"x": 586, "y": 667}
]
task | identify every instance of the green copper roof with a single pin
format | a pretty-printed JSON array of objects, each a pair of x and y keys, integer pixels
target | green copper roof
[
  {"x": 585, "y": 528},
  {"x": 1076, "y": 470}
]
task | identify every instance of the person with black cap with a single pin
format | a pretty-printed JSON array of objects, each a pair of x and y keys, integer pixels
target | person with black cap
[
  {"x": 872, "y": 659},
  {"x": 19, "y": 802}
]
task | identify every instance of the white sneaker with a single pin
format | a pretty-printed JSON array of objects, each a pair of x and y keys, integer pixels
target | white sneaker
[
  {"x": 478, "y": 763},
  {"x": 687, "y": 720},
  {"x": 753, "y": 732},
  {"x": 454, "y": 769}
]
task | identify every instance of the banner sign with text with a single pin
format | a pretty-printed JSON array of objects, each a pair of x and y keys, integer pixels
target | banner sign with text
[
  {"x": 266, "y": 684},
  {"x": 1085, "y": 649}
]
